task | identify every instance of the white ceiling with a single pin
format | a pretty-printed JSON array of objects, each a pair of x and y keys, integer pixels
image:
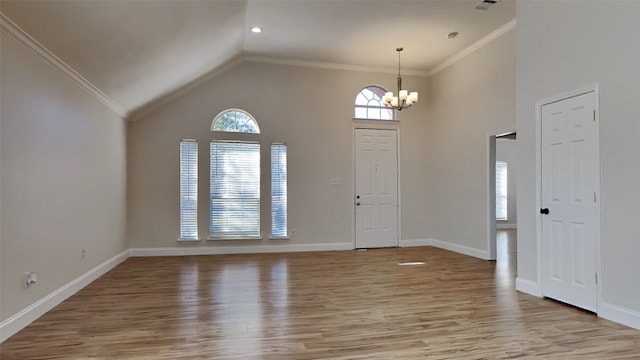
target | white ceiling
[{"x": 137, "y": 51}]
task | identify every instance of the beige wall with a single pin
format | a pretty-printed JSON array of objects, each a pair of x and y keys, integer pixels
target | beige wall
[
  {"x": 311, "y": 110},
  {"x": 471, "y": 99},
  {"x": 578, "y": 44},
  {"x": 62, "y": 178}
]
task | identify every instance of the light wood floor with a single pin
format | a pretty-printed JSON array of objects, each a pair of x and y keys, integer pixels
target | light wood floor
[{"x": 328, "y": 305}]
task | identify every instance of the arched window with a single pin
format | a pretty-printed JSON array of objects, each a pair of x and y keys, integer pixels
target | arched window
[
  {"x": 235, "y": 120},
  {"x": 234, "y": 180},
  {"x": 369, "y": 105}
]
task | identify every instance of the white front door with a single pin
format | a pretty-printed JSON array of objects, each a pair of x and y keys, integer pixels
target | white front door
[
  {"x": 569, "y": 194},
  {"x": 376, "y": 188}
]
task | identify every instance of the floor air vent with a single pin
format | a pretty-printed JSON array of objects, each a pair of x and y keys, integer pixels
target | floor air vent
[{"x": 486, "y": 4}]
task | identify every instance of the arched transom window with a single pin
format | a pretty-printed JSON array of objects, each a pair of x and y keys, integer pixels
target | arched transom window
[
  {"x": 369, "y": 105},
  {"x": 235, "y": 120}
]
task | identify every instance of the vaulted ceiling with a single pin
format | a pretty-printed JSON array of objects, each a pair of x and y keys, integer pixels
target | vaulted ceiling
[{"x": 138, "y": 51}]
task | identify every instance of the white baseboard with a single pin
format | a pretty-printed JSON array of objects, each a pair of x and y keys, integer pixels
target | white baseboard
[
  {"x": 502, "y": 226},
  {"x": 238, "y": 249},
  {"x": 25, "y": 317},
  {"x": 461, "y": 249},
  {"x": 620, "y": 315},
  {"x": 415, "y": 242},
  {"x": 528, "y": 287}
]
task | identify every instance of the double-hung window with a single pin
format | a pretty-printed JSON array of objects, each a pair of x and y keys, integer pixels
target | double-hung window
[
  {"x": 234, "y": 190},
  {"x": 501, "y": 190},
  {"x": 188, "y": 189},
  {"x": 278, "y": 190}
]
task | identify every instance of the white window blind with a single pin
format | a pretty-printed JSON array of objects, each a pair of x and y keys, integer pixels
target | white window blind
[
  {"x": 188, "y": 189},
  {"x": 278, "y": 190},
  {"x": 234, "y": 190},
  {"x": 501, "y": 190}
]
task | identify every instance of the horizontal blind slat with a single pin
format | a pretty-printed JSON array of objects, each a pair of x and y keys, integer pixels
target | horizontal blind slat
[
  {"x": 234, "y": 189},
  {"x": 188, "y": 190},
  {"x": 278, "y": 190}
]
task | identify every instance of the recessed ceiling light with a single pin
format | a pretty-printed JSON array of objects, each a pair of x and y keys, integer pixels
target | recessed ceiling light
[
  {"x": 452, "y": 34},
  {"x": 256, "y": 29}
]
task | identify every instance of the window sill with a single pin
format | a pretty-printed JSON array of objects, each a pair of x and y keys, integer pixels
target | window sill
[
  {"x": 279, "y": 238},
  {"x": 377, "y": 120},
  {"x": 233, "y": 238},
  {"x": 187, "y": 240}
]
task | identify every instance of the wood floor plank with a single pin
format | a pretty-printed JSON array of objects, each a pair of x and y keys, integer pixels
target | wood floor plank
[{"x": 324, "y": 305}]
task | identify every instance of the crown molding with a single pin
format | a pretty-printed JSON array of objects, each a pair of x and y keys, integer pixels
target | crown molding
[
  {"x": 158, "y": 103},
  {"x": 177, "y": 93},
  {"x": 332, "y": 66},
  {"x": 475, "y": 46},
  {"x": 21, "y": 37}
]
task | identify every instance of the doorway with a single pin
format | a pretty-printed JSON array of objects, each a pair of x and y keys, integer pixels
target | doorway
[
  {"x": 501, "y": 196},
  {"x": 376, "y": 188}
]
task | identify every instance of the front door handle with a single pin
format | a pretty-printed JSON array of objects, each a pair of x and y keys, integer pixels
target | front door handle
[{"x": 544, "y": 211}]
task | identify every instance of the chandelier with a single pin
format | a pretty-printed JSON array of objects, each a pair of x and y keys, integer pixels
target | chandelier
[{"x": 404, "y": 99}]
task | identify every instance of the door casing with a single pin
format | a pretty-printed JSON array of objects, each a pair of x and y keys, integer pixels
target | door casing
[
  {"x": 491, "y": 190},
  {"x": 393, "y": 127}
]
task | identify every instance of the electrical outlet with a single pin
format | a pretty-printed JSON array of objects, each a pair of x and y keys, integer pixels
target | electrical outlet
[
  {"x": 83, "y": 253},
  {"x": 292, "y": 232}
]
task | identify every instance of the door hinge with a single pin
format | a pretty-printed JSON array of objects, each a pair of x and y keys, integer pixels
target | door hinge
[
  {"x": 595, "y": 198},
  {"x": 594, "y": 115},
  {"x": 596, "y": 278}
]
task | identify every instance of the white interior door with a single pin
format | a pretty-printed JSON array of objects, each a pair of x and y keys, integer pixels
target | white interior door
[
  {"x": 569, "y": 211},
  {"x": 376, "y": 188}
]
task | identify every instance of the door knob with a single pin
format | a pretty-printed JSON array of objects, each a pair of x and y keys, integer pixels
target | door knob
[{"x": 544, "y": 211}]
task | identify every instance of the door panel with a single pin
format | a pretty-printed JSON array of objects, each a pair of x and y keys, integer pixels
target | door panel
[
  {"x": 376, "y": 188},
  {"x": 569, "y": 173}
]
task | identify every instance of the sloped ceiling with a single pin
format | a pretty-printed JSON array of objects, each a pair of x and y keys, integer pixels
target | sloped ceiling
[{"x": 138, "y": 51}]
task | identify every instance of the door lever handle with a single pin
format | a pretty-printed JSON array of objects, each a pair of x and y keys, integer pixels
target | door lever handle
[
  {"x": 544, "y": 211},
  {"x": 358, "y": 203}
]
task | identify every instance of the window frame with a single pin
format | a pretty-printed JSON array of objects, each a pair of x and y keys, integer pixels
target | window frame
[
  {"x": 240, "y": 235},
  {"x": 257, "y": 166},
  {"x": 281, "y": 182},
  {"x": 502, "y": 198},
  {"x": 380, "y": 107},
  {"x": 220, "y": 116},
  {"x": 191, "y": 186}
]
